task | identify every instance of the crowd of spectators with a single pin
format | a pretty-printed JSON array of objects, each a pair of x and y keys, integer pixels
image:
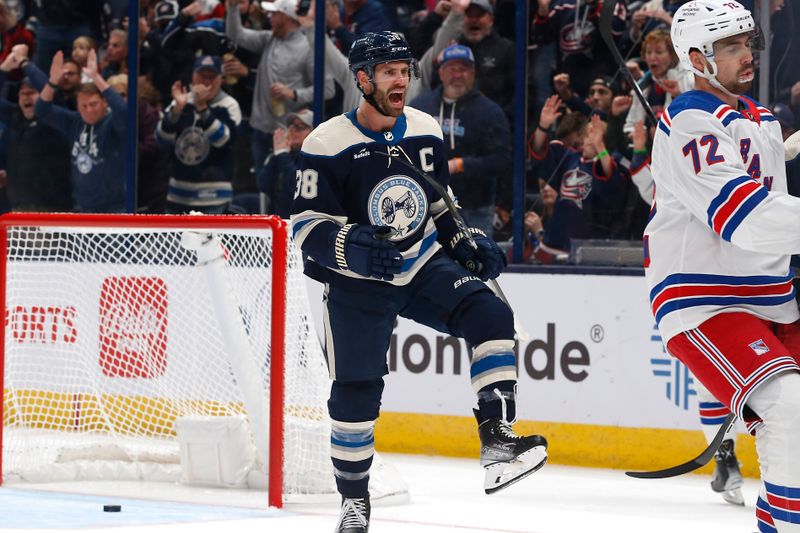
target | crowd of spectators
[{"x": 225, "y": 88}]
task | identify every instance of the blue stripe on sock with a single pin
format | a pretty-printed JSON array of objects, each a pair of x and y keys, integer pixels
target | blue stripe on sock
[{"x": 492, "y": 361}]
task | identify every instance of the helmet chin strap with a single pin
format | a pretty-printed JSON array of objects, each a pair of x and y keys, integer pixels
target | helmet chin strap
[
  {"x": 713, "y": 81},
  {"x": 711, "y": 76}
]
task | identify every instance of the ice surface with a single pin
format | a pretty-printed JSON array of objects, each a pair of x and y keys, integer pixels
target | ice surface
[{"x": 446, "y": 496}]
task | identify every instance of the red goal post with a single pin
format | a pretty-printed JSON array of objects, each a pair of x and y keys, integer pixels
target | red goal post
[{"x": 33, "y": 233}]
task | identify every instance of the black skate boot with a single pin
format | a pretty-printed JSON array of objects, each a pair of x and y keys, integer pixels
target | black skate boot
[
  {"x": 506, "y": 456},
  {"x": 354, "y": 517},
  {"x": 727, "y": 478}
]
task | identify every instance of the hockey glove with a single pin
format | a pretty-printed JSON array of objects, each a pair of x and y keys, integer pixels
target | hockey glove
[
  {"x": 792, "y": 146},
  {"x": 367, "y": 250},
  {"x": 486, "y": 262}
]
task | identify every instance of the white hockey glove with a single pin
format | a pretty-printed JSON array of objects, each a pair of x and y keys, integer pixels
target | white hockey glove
[{"x": 791, "y": 146}]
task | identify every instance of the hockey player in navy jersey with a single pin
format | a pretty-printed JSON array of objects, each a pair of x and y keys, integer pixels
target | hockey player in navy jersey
[
  {"x": 719, "y": 243},
  {"x": 384, "y": 243}
]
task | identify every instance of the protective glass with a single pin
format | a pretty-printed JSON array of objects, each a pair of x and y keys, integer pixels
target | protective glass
[{"x": 732, "y": 49}]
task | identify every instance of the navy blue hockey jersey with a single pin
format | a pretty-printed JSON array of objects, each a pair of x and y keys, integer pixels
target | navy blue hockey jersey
[
  {"x": 590, "y": 204},
  {"x": 343, "y": 179}
]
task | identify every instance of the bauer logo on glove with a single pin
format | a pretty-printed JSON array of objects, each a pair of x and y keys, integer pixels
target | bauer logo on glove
[{"x": 367, "y": 250}]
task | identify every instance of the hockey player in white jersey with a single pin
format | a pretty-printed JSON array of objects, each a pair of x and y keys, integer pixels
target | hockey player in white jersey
[{"x": 718, "y": 245}]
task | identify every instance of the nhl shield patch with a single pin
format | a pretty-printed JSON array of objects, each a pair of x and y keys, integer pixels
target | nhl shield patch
[{"x": 759, "y": 347}]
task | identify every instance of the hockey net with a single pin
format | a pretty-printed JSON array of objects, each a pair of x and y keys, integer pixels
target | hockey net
[{"x": 117, "y": 327}]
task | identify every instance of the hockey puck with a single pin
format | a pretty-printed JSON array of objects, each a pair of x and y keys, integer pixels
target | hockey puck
[{"x": 112, "y": 508}]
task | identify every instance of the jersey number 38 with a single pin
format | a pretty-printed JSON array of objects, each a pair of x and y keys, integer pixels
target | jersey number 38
[{"x": 306, "y": 183}]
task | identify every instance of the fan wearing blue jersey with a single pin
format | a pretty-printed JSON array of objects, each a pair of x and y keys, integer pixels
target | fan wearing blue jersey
[
  {"x": 719, "y": 242},
  {"x": 375, "y": 231}
]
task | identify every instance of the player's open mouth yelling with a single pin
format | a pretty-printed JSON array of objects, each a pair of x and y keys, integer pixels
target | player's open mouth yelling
[{"x": 396, "y": 97}]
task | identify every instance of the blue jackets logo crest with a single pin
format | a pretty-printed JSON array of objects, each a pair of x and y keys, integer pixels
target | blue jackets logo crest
[
  {"x": 399, "y": 202},
  {"x": 576, "y": 185},
  {"x": 192, "y": 147},
  {"x": 84, "y": 162}
]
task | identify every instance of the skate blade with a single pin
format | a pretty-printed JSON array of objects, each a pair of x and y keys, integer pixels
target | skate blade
[
  {"x": 734, "y": 497},
  {"x": 503, "y": 474}
]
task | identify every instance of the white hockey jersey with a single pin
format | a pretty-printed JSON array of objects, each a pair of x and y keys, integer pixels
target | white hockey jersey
[{"x": 722, "y": 227}]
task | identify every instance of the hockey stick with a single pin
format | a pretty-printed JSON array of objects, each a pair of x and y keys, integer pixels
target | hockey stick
[
  {"x": 521, "y": 334},
  {"x": 605, "y": 31},
  {"x": 694, "y": 464}
]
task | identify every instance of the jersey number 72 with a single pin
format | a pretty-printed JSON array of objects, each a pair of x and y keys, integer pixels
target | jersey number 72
[{"x": 712, "y": 157}]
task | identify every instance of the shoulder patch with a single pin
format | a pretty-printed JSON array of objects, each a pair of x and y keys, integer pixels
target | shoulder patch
[
  {"x": 333, "y": 137},
  {"x": 421, "y": 124}
]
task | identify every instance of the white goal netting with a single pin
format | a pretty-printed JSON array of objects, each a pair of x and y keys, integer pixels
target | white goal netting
[{"x": 114, "y": 333}]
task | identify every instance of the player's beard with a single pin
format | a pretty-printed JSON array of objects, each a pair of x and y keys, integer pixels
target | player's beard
[
  {"x": 381, "y": 99},
  {"x": 737, "y": 86}
]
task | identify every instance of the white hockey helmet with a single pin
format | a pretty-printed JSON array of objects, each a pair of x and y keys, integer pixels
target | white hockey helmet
[{"x": 698, "y": 24}]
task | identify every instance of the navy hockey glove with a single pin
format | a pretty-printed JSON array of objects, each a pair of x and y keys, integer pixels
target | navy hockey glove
[
  {"x": 367, "y": 250},
  {"x": 486, "y": 262}
]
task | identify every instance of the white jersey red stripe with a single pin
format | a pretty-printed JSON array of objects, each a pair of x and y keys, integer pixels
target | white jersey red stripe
[
  {"x": 723, "y": 111},
  {"x": 734, "y": 202},
  {"x": 723, "y": 227}
]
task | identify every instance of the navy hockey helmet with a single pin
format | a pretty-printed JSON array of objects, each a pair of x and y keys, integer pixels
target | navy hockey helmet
[{"x": 380, "y": 47}]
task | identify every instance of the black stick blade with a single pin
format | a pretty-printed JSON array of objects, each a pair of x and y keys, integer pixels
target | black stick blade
[{"x": 692, "y": 465}]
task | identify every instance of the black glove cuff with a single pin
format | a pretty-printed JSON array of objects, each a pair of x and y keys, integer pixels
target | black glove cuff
[{"x": 339, "y": 244}]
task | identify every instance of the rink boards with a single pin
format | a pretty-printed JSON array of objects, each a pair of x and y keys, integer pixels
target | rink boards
[{"x": 593, "y": 378}]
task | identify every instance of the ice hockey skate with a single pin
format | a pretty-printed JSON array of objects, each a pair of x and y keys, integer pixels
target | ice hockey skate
[
  {"x": 506, "y": 456},
  {"x": 727, "y": 478},
  {"x": 354, "y": 517}
]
